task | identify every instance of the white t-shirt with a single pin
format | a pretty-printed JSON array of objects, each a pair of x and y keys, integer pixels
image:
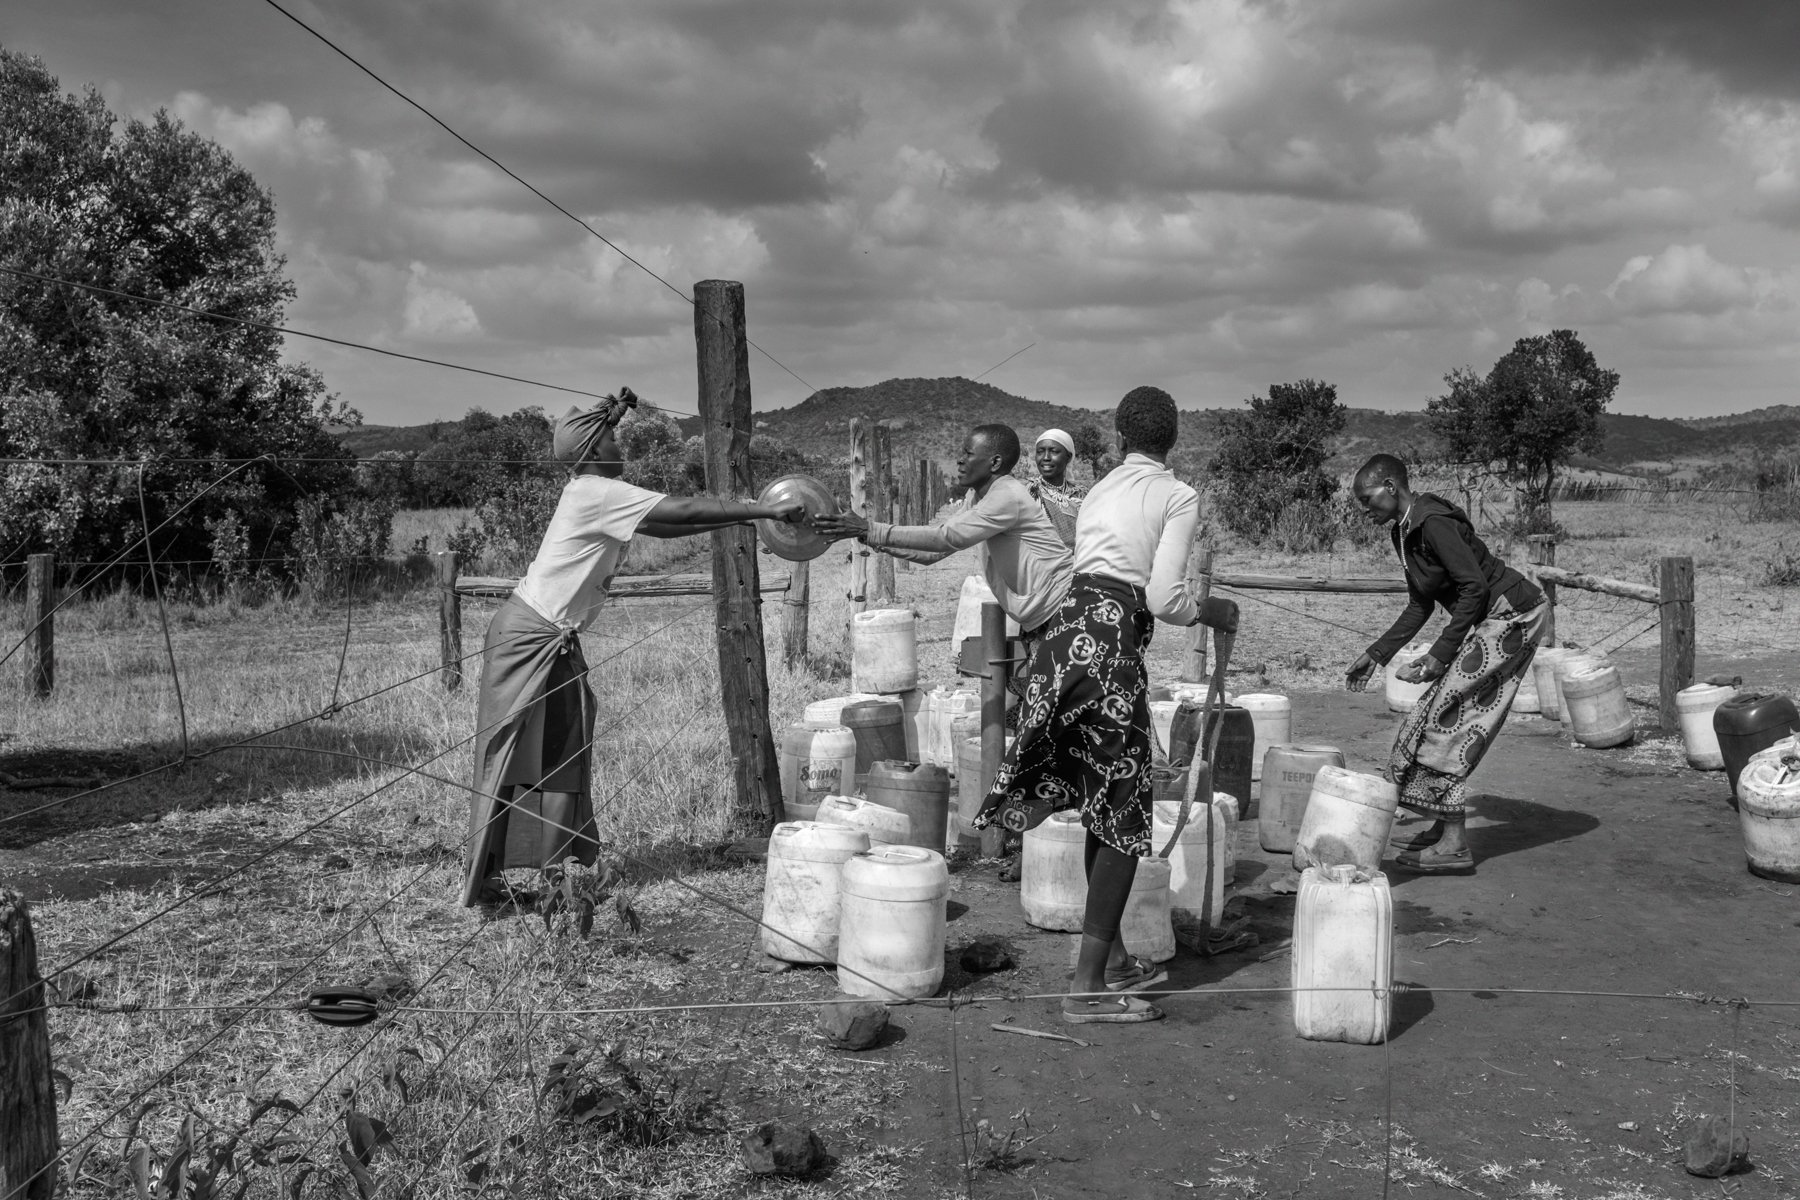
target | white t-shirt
[
  {"x": 1137, "y": 525},
  {"x": 594, "y": 520}
]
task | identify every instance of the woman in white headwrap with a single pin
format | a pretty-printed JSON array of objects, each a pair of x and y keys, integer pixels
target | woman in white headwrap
[
  {"x": 535, "y": 716},
  {"x": 1061, "y": 499}
]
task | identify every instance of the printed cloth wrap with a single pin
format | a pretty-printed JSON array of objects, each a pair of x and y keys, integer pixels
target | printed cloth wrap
[
  {"x": 519, "y": 657},
  {"x": 1084, "y": 726},
  {"x": 1451, "y": 727}
]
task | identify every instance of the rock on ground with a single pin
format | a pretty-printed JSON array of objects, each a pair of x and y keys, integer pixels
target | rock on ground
[
  {"x": 852, "y": 1023},
  {"x": 1713, "y": 1149},
  {"x": 777, "y": 1148}
]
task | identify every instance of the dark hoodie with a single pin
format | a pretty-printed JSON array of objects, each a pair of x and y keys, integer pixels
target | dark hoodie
[{"x": 1447, "y": 564}]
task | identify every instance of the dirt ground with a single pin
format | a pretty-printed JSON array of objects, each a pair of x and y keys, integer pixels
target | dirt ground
[{"x": 1603, "y": 871}]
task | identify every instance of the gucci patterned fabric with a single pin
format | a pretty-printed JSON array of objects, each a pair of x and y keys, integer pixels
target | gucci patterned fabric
[
  {"x": 1084, "y": 726},
  {"x": 1444, "y": 737}
]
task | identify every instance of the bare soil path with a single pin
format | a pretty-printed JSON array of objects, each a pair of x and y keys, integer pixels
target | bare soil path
[{"x": 1597, "y": 870}]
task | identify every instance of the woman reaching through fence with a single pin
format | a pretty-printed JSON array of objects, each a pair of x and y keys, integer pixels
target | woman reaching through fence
[
  {"x": 535, "y": 715},
  {"x": 1084, "y": 733},
  {"x": 1496, "y": 618}
]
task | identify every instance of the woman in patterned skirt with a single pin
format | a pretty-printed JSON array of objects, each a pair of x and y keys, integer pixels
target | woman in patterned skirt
[
  {"x": 1496, "y": 618},
  {"x": 1084, "y": 732}
]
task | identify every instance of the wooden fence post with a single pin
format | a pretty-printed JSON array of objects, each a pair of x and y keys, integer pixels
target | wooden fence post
[
  {"x": 447, "y": 563},
  {"x": 723, "y": 352},
  {"x": 922, "y": 490},
  {"x": 859, "y": 504},
  {"x": 27, "y": 1087},
  {"x": 40, "y": 607},
  {"x": 1541, "y": 550},
  {"x": 881, "y": 504},
  {"x": 1675, "y": 610},
  {"x": 1193, "y": 660},
  {"x": 796, "y": 607},
  {"x": 993, "y": 713}
]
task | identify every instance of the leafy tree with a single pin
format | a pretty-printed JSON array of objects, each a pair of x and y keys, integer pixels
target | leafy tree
[
  {"x": 1537, "y": 407},
  {"x": 478, "y": 456},
  {"x": 155, "y": 210},
  {"x": 1091, "y": 446},
  {"x": 1270, "y": 461}
]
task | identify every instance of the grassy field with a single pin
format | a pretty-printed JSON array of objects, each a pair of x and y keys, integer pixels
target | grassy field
[{"x": 329, "y": 851}]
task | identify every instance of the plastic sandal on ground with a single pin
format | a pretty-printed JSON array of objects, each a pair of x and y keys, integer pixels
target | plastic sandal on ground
[
  {"x": 1114, "y": 1010},
  {"x": 1425, "y": 862}
]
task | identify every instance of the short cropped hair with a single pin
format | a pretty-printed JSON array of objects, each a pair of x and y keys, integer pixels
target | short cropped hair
[
  {"x": 1383, "y": 466},
  {"x": 1146, "y": 417},
  {"x": 1002, "y": 440}
]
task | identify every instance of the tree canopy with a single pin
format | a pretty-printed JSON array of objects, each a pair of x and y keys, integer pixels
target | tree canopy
[
  {"x": 149, "y": 208},
  {"x": 1272, "y": 457},
  {"x": 1536, "y": 408}
]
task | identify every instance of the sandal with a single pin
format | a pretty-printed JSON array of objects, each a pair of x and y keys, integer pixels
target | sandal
[
  {"x": 1415, "y": 841},
  {"x": 1424, "y": 862},
  {"x": 1117, "y": 1010},
  {"x": 1136, "y": 974}
]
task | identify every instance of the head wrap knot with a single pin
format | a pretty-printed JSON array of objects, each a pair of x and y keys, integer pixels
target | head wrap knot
[{"x": 578, "y": 431}]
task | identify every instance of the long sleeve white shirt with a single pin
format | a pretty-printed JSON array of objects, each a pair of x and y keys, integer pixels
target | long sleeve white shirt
[
  {"x": 1137, "y": 525},
  {"x": 1024, "y": 559}
]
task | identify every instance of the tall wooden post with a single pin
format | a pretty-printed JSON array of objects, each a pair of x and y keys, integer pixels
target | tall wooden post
[
  {"x": 1199, "y": 582},
  {"x": 723, "y": 352},
  {"x": 859, "y": 504},
  {"x": 993, "y": 713},
  {"x": 796, "y": 608},
  {"x": 40, "y": 621},
  {"x": 881, "y": 505},
  {"x": 922, "y": 489},
  {"x": 27, "y": 1087},
  {"x": 1541, "y": 550},
  {"x": 1675, "y": 609},
  {"x": 450, "y": 644}
]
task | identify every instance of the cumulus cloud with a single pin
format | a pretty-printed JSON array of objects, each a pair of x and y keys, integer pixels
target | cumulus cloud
[
  {"x": 1748, "y": 44},
  {"x": 1220, "y": 193}
]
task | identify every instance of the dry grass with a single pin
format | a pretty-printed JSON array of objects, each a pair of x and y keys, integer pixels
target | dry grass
[{"x": 461, "y": 1096}]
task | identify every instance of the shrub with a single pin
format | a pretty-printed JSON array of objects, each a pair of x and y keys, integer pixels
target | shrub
[
  {"x": 513, "y": 521},
  {"x": 1782, "y": 569},
  {"x": 332, "y": 547},
  {"x": 1303, "y": 527},
  {"x": 1274, "y": 455}
]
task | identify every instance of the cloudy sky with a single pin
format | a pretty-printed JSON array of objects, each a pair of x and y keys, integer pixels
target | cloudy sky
[{"x": 1210, "y": 195}]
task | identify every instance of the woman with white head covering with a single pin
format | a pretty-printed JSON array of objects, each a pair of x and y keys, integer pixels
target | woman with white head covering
[
  {"x": 535, "y": 715},
  {"x": 1054, "y": 451}
]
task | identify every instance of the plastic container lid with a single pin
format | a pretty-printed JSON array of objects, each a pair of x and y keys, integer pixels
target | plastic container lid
[{"x": 1755, "y": 712}]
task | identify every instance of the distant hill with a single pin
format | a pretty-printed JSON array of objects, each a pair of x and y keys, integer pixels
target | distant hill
[
  {"x": 928, "y": 418},
  {"x": 1777, "y": 413}
]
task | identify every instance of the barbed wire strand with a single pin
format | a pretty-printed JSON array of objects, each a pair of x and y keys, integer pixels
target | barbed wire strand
[
  {"x": 282, "y": 844},
  {"x": 1398, "y": 989},
  {"x": 162, "y": 611},
  {"x": 251, "y": 739},
  {"x": 524, "y": 183},
  {"x": 367, "y": 918},
  {"x": 289, "y": 331},
  {"x": 148, "y": 534}
]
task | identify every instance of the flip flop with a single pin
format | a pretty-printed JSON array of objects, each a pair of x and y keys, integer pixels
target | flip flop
[
  {"x": 1118, "y": 1010},
  {"x": 1424, "y": 862},
  {"x": 1138, "y": 974}
]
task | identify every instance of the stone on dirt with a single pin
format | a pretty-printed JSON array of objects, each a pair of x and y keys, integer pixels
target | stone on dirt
[
  {"x": 1714, "y": 1149},
  {"x": 768, "y": 964},
  {"x": 851, "y": 1022},
  {"x": 777, "y": 1148},
  {"x": 986, "y": 954}
]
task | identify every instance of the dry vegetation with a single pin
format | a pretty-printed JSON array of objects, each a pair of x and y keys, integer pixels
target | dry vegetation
[{"x": 311, "y": 856}]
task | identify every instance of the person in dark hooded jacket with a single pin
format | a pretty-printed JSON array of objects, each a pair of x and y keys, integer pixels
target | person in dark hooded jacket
[{"x": 1474, "y": 667}]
